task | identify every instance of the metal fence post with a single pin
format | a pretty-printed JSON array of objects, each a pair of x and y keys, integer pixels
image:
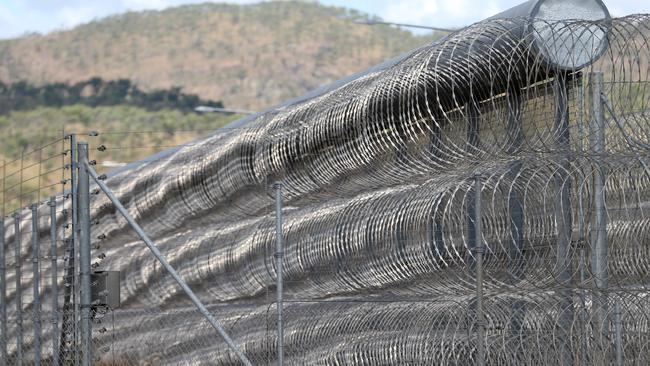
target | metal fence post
[
  {"x": 83, "y": 202},
  {"x": 19, "y": 291},
  {"x": 36, "y": 306},
  {"x": 473, "y": 127},
  {"x": 472, "y": 147},
  {"x": 619, "y": 333},
  {"x": 563, "y": 218},
  {"x": 3, "y": 296},
  {"x": 584, "y": 315},
  {"x": 74, "y": 247},
  {"x": 480, "y": 346},
  {"x": 55, "y": 290},
  {"x": 68, "y": 340},
  {"x": 580, "y": 103},
  {"x": 473, "y": 115},
  {"x": 279, "y": 254},
  {"x": 598, "y": 235},
  {"x": 473, "y": 141},
  {"x": 515, "y": 207}
]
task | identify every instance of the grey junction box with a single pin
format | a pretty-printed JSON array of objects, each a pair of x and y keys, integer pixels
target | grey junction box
[{"x": 105, "y": 288}]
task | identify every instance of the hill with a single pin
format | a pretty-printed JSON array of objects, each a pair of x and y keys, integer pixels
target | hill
[{"x": 248, "y": 56}]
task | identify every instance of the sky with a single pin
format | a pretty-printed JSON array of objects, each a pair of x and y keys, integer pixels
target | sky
[{"x": 18, "y": 17}]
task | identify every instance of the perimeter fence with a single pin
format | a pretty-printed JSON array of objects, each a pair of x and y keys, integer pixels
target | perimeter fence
[{"x": 480, "y": 201}]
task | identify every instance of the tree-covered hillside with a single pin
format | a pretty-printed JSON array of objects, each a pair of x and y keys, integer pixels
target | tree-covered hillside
[
  {"x": 20, "y": 96},
  {"x": 248, "y": 56}
]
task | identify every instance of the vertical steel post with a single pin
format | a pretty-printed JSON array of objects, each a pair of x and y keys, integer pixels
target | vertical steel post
[
  {"x": 580, "y": 103},
  {"x": 619, "y": 333},
  {"x": 68, "y": 341},
  {"x": 515, "y": 208},
  {"x": 584, "y": 316},
  {"x": 480, "y": 346},
  {"x": 475, "y": 262},
  {"x": 563, "y": 218},
  {"x": 3, "y": 296},
  {"x": 36, "y": 276},
  {"x": 83, "y": 203},
  {"x": 55, "y": 290},
  {"x": 19, "y": 291},
  {"x": 74, "y": 245},
  {"x": 472, "y": 147},
  {"x": 598, "y": 235},
  {"x": 279, "y": 254},
  {"x": 3, "y": 274},
  {"x": 473, "y": 127}
]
